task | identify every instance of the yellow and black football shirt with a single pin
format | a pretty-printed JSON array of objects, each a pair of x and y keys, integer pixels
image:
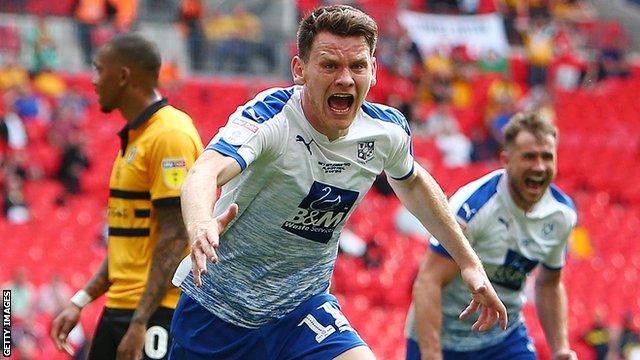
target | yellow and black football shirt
[{"x": 157, "y": 149}]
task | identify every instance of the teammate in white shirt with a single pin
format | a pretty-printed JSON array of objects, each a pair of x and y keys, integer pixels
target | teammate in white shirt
[
  {"x": 297, "y": 161},
  {"x": 514, "y": 219}
]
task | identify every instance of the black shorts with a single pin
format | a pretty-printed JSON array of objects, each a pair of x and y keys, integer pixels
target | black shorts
[{"x": 114, "y": 324}]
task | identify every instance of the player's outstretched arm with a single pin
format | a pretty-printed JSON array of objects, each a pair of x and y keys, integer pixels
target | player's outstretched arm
[
  {"x": 210, "y": 171},
  {"x": 435, "y": 273},
  {"x": 70, "y": 315},
  {"x": 424, "y": 198},
  {"x": 551, "y": 305}
]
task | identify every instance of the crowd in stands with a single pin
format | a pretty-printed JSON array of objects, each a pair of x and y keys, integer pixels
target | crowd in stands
[{"x": 38, "y": 111}]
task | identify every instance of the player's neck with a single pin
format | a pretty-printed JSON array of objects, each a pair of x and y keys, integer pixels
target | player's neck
[{"x": 136, "y": 104}]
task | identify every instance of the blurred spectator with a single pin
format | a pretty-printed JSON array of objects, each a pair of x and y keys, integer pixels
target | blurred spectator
[
  {"x": 539, "y": 41},
  {"x": 436, "y": 122},
  {"x": 612, "y": 63},
  {"x": 11, "y": 43},
  {"x": 29, "y": 106},
  {"x": 572, "y": 10},
  {"x": 73, "y": 162},
  {"x": 44, "y": 56},
  {"x": 88, "y": 14},
  {"x": 31, "y": 339},
  {"x": 12, "y": 74},
  {"x": 22, "y": 295},
  {"x": 511, "y": 11},
  {"x": 629, "y": 338},
  {"x": 190, "y": 16},
  {"x": 598, "y": 338},
  {"x": 14, "y": 204},
  {"x": 237, "y": 39},
  {"x": 352, "y": 244},
  {"x": 483, "y": 146},
  {"x": 53, "y": 296},
  {"x": 49, "y": 83},
  {"x": 539, "y": 100},
  {"x": 12, "y": 130},
  {"x": 462, "y": 93},
  {"x": 76, "y": 103},
  {"x": 408, "y": 224},
  {"x": 124, "y": 14},
  {"x": 503, "y": 95},
  {"x": 442, "y": 6},
  {"x": 567, "y": 68},
  {"x": 454, "y": 146},
  {"x": 374, "y": 255}
]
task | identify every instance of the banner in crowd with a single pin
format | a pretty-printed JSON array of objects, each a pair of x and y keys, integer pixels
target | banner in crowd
[{"x": 480, "y": 33}]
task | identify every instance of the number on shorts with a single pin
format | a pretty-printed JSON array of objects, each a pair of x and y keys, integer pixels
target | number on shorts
[
  {"x": 321, "y": 331},
  {"x": 156, "y": 342}
]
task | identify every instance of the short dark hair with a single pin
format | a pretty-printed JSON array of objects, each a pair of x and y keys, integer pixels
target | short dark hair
[
  {"x": 342, "y": 20},
  {"x": 528, "y": 121},
  {"x": 133, "y": 49}
]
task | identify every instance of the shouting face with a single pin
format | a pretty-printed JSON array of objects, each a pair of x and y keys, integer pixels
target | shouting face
[
  {"x": 530, "y": 163},
  {"x": 336, "y": 79}
]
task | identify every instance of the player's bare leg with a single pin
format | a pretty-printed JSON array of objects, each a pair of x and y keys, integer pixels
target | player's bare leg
[{"x": 357, "y": 353}]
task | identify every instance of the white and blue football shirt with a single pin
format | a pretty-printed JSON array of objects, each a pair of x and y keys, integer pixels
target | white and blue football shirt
[
  {"x": 294, "y": 195},
  {"x": 510, "y": 243}
]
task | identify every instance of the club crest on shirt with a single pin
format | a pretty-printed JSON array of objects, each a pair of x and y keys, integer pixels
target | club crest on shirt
[
  {"x": 173, "y": 172},
  {"x": 366, "y": 150},
  {"x": 131, "y": 156},
  {"x": 548, "y": 230},
  {"x": 320, "y": 212}
]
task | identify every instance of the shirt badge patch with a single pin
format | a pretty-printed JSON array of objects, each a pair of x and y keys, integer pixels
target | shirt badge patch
[
  {"x": 131, "y": 156},
  {"x": 238, "y": 131},
  {"x": 366, "y": 150},
  {"x": 173, "y": 172}
]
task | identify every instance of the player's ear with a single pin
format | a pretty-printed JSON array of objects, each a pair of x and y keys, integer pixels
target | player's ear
[
  {"x": 374, "y": 69},
  {"x": 125, "y": 75},
  {"x": 297, "y": 70},
  {"x": 503, "y": 157}
]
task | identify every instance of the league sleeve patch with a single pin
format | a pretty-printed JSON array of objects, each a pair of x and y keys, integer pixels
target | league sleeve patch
[
  {"x": 173, "y": 172},
  {"x": 239, "y": 131}
]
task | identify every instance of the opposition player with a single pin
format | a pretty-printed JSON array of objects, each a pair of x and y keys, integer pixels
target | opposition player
[
  {"x": 515, "y": 219},
  {"x": 297, "y": 161},
  {"x": 147, "y": 238}
]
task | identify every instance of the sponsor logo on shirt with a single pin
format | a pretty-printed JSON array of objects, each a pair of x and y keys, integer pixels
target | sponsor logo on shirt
[
  {"x": 334, "y": 168},
  {"x": 513, "y": 273},
  {"x": 320, "y": 212},
  {"x": 239, "y": 131},
  {"x": 173, "y": 172},
  {"x": 299, "y": 138},
  {"x": 245, "y": 124}
]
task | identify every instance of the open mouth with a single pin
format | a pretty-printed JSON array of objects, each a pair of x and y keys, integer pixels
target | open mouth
[
  {"x": 534, "y": 182},
  {"x": 341, "y": 103}
]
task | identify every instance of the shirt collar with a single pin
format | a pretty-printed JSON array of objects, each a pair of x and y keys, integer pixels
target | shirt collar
[{"x": 139, "y": 121}]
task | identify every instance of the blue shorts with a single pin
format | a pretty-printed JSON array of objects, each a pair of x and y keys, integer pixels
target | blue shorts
[
  {"x": 315, "y": 330},
  {"x": 517, "y": 346}
]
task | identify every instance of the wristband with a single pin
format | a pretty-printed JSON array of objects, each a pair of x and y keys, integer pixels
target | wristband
[{"x": 81, "y": 298}]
